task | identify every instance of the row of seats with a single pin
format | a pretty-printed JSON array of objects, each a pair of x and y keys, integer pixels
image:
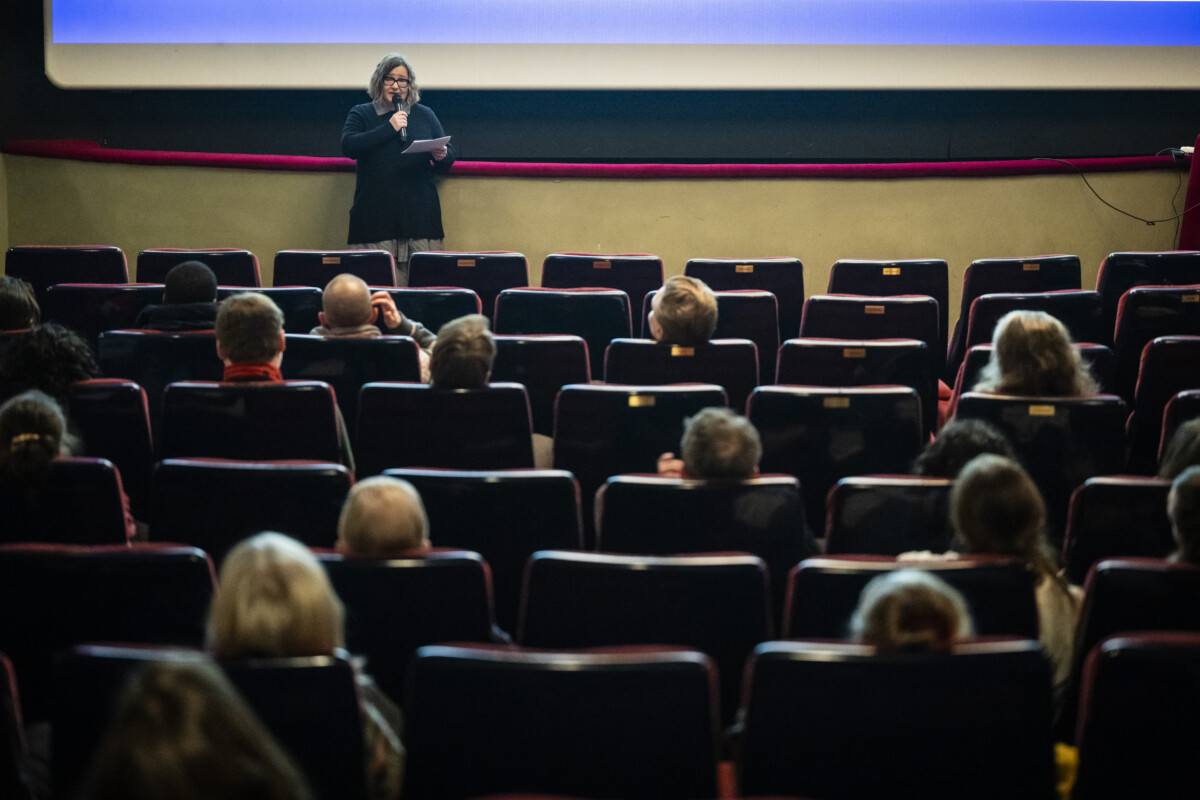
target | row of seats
[
  {"x": 1091, "y": 317},
  {"x": 157, "y": 594},
  {"x": 819, "y": 434},
  {"x": 601, "y": 317},
  {"x": 213, "y": 504}
]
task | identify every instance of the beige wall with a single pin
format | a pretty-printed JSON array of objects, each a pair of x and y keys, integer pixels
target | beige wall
[{"x": 52, "y": 201}]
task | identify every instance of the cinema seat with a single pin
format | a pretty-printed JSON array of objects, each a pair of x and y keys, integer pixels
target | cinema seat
[
  {"x": 80, "y": 503},
  {"x": 715, "y": 603},
  {"x": 822, "y": 434},
  {"x": 636, "y": 723},
  {"x": 1182, "y": 407},
  {"x": 1078, "y": 311},
  {"x": 44, "y": 266},
  {"x": 1120, "y": 272},
  {"x": 152, "y": 360},
  {"x": 764, "y": 516},
  {"x": 862, "y": 362},
  {"x": 414, "y": 425},
  {"x": 830, "y": 316},
  {"x": 486, "y": 272},
  {"x": 319, "y": 267},
  {"x": 324, "y": 733},
  {"x": 823, "y": 593},
  {"x": 600, "y": 431},
  {"x": 824, "y": 719},
  {"x": 1137, "y": 734},
  {"x": 741, "y": 314},
  {"x": 636, "y": 274},
  {"x": 1098, "y": 357},
  {"x": 782, "y": 277},
  {"x": 917, "y": 276},
  {"x": 251, "y": 421},
  {"x": 396, "y": 605},
  {"x": 596, "y": 315},
  {"x": 1144, "y": 314},
  {"x": 433, "y": 307},
  {"x": 113, "y": 419},
  {"x": 543, "y": 364},
  {"x": 731, "y": 364},
  {"x": 347, "y": 363},
  {"x": 526, "y": 510},
  {"x": 1060, "y": 441},
  {"x": 147, "y": 593},
  {"x": 89, "y": 309},
  {"x": 1020, "y": 275},
  {"x": 215, "y": 503},
  {"x": 1114, "y": 516},
  {"x": 232, "y": 267},
  {"x": 888, "y": 515},
  {"x": 299, "y": 304},
  {"x": 1128, "y": 595},
  {"x": 1169, "y": 365}
]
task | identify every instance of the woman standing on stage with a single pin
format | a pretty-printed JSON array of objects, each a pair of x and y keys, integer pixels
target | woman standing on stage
[{"x": 396, "y": 204}]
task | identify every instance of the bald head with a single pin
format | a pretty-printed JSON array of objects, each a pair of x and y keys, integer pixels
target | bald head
[{"x": 346, "y": 302}]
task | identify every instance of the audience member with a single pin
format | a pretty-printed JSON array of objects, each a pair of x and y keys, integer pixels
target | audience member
[
  {"x": 1032, "y": 354},
  {"x": 463, "y": 354},
  {"x": 683, "y": 312},
  {"x": 910, "y": 610},
  {"x": 189, "y": 301},
  {"x": 996, "y": 509},
  {"x": 274, "y": 600},
  {"x": 250, "y": 338},
  {"x": 956, "y": 444},
  {"x": 717, "y": 443},
  {"x": 18, "y": 305},
  {"x": 49, "y": 357},
  {"x": 33, "y": 433},
  {"x": 251, "y": 341},
  {"x": 1182, "y": 451},
  {"x": 383, "y": 517},
  {"x": 351, "y": 309},
  {"x": 1183, "y": 508},
  {"x": 182, "y": 731},
  {"x": 462, "y": 359}
]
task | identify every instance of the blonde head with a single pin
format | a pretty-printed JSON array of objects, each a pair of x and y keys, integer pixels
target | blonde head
[
  {"x": 463, "y": 354},
  {"x": 274, "y": 599},
  {"x": 1032, "y": 354},
  {"x": 910, "y": 610},
  {"x": 683, "y": 312},
  {"x": 382, "y": 516}
]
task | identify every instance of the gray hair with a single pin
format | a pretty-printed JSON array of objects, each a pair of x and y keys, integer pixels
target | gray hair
[{"x": 389, "y": 63}]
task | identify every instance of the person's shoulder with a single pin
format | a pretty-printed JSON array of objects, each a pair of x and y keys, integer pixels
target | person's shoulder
[{"x": 366, "y": 109}]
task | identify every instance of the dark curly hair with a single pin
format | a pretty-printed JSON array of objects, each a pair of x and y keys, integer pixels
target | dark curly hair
[
  {"x": 956, "y": 444},
  {"x": 18, "y": 305},
  {"x": 50, "y": 357}
]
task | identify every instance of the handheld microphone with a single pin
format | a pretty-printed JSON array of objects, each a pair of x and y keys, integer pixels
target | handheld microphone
[{"x": 404, "y": 130}]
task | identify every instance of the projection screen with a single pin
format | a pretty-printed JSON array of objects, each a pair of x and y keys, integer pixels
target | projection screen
[{"x": 634, "y": 44}]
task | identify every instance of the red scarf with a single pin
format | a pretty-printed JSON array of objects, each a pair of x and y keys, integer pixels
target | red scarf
[{"x": 245, "y": 373}]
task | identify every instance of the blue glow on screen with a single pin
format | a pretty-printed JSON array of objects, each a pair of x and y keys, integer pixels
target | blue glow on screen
[{"x": 703, "y": 22}]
